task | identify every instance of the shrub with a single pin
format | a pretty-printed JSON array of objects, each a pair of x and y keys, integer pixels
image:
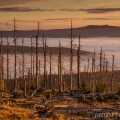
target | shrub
[
  {"x": 100, "y": 88},
  {"x": 83, "y": 114},
  {"x": 84, "y": 89},
  {"x": 13, "y": 105},
  {"x": 118, "y": 92},
  {"x": 114, "y": 96}
]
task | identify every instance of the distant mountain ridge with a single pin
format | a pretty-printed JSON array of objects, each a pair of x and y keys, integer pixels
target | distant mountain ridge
[
  {"x": 85, "y": 32},
  {"x": 99, "y": 26}
]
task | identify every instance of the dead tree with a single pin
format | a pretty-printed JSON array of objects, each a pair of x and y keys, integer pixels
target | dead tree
[
  {"x": 78, "y": 65},
  {"x": 50, "y": 71},
  {"x": 58, "y": 72},
  {"x": 46, "y": 77},
  {"x": 112, "y": 80},
  {"x": 88, "y": 74},
  {"x": 25, "y": 87},
  {"x": 29, "y": 81},
  {"x": 94, "y": 60},
  {"x": 104, "y": 64},
  {"x": 23, "y": 58},
  {"x": 88, "y": 66},
  {"x": 71, "y": 60},
  {"x": 104, "y": 73},
  {"x": 93, "y": 87},
  {"x": 23, "y": 65},
  {"x": 0, "y": 74},
  {"x": 33, "y": 71},
  {"x": 31, "y": 64},
  {"x": 101, "y": 66},
  {"x": 15, "y": 65},
  {"x": 1, "y": 62},
  {"x": 94, "y": 67},
  {"x": 2, "y": 69},
  {"x": 37, "y": 36},
  {"x": 45, "y": 64},
  {"x": 8, "y": 81},
  {"x": 39, "y": 75},
  {"x": 43, "y": 42},
  {"x": 93, "y": 76},
  {"x": 19, "y": 69},
  {"x": 106, "y": 69},
  {"x": 92, "y": 64},
  {"x": 3, "y": 73},
  {"x": 60, "y": 68}
]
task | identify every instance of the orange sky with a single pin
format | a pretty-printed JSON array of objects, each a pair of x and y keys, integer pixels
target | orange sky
[{"x": 54, "y": 14}]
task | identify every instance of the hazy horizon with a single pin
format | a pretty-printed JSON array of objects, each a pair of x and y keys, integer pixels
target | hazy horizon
[
  {"x": 54, "y": 14},
  {"x": 110, "y": 47},
  {"x": 91, "y": 25}
]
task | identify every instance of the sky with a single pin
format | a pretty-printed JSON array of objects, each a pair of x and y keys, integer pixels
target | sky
[{"x": 57, "y": 14}]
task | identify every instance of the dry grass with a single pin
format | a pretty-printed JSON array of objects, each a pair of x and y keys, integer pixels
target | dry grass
[
  {"x": 13, "y": 112},
  {"x": 101, "y": 105}
]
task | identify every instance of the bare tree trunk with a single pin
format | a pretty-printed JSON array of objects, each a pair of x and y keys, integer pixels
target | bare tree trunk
[
  {"x": 8, "y": 85},
  {"x": 37, "y": 87},
  {"x": 39, "y": 75},
  {"x": 45, "y": 65},
  {"x": 106, "y": 69},
  {"x": 78, "y": 66},
  {"x": 33, "y": 72},
  {"x": 23, "y": 65},
  {"x": 3, "y": 73},
  {"x": 101, "y": 66},
  {"x": 58, "y": 72},
  {"x": 71, "y": 61},
  {"x": 32, "y": 82},
  {"x": 94, "y": 61},
  {"x": 112, "y": 80},
  {"x": 50, "y": 71},
  {"x": 1, "y": 64},
  {"x": 60, "y": 69},
  {"x": 15, "y": 65}
]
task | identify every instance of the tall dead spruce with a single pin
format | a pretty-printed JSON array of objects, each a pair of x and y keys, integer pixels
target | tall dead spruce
[
  {"x": 60, "y": 68},
  {"x": 78, "y": 66},
  {"x": 112, "y": 79},
  {"x": 71, "y": 60},
  {"x": 15, "y": 65},
  {"x": 8, "y": 81},
  {"x": 1, "y": 62},
  {"x": 37, "y": 36}
]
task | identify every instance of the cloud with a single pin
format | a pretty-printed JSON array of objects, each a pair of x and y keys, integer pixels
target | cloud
[
  {"x": 59, "y": 19},
  {"x": 70, "y": 10},
  {"x": 94, "y": 10},
  {"x": 24, "y": 21},
  {"x": 8, "y": 24},
  {"x": 5, "y": 24},
  {"x": 43, "y": 20},
  {"x": 101, "y": 10},
  {"x": 104, "y": 18},
  {"x": 23, "y": 9},
  {"x": 29, "y": 9},
  {"x": 17, "y": 2}
]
